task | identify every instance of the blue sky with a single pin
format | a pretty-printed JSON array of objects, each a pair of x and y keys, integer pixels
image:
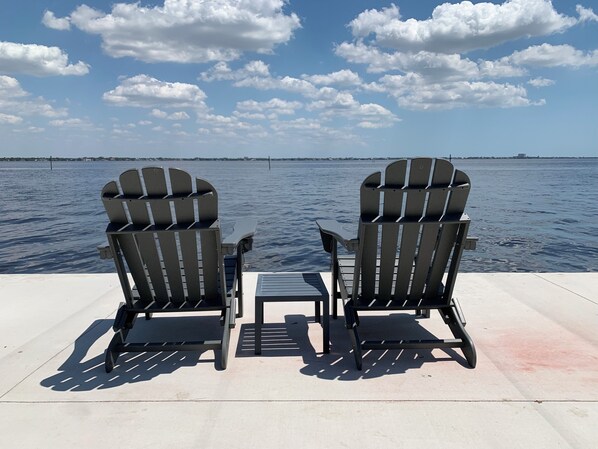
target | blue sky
[{"x": 329, "y": 78}]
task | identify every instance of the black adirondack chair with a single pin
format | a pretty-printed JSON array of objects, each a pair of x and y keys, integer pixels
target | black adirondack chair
[
  {"x": 412, "y": 231},
  {"x": 164, "y": 230}
]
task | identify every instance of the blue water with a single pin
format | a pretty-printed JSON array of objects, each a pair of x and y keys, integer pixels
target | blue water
[{"x": 530, "y": 215}]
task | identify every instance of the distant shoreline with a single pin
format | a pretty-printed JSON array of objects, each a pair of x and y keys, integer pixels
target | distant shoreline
[{"x": 233, "y": 159}]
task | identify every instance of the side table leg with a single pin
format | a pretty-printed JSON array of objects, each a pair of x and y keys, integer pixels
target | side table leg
[
  {"x": 259, "y": 320},
  {"x": 326, "y": 325}
]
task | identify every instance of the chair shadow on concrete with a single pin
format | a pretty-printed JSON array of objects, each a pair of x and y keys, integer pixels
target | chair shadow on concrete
[
  {"x": 291, "y": 339},
  {"x": 340, "y": 363},
  {"x": 82, "y": 371},
  {"x": 279, "y": 339}
]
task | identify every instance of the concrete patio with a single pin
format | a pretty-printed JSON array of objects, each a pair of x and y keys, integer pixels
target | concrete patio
[{"x": 535, "y": 384}]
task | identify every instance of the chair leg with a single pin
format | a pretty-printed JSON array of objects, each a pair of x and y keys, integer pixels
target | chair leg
[
  {"x": 456, "y": 326},
  {"x": 351, "y": 323},
  {"x": 233, "y": 315},
  {"x": 356, "y": 343},
  {"x": 112, "y": 353},
  {"x": 239, "y": 283},
  {"x": 123, "y": 322},
  {"x": 226, "y": 337}
]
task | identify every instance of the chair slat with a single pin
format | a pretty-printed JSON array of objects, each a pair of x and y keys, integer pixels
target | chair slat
[
  {"x": 419, "y": 176},
  {"x": 128, "y": 243},
  {"x": 181, "y": 183},
  {"x": 131, "y": 184},
  {"x": 393, "y": 205},
  {"x": 407, "y": 247},
  {"x": 441, "y": 177},
  {"x": 155, "y": 185},
  {"x": 114, "y": 209},
  {"x": 210, "y": 241},
  {"x": 455, "y": 205},
  {"x": 425, "y": 252},
  {"x": 446, "y": 243},
  {"x": 368, "y": 236},
  {"x": 458, "y": 197}
]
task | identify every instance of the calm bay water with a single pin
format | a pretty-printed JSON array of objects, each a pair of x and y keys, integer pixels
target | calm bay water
[{"x": 530, "y": 215}]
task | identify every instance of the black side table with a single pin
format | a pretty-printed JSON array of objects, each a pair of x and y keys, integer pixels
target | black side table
[{"x": 279, "y": 287}]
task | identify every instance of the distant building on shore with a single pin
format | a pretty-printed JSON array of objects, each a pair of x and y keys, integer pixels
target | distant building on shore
[{"x": 521, "y": 156}]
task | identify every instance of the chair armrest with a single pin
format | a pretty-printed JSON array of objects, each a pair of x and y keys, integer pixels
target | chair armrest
[
  {"x": 243, "y": 232},
  {"x": 470, "y": 243},
  {"x": 332, "y": 229},
  {"x": 105, "y": 252}
]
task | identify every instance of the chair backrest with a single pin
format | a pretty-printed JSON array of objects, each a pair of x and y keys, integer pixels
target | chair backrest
[
  {"x": 411, "y": 226},
  {"x": 166, "y": 230}
]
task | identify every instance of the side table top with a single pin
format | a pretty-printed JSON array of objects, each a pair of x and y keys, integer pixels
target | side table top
[{"x": 290, "y": 286}]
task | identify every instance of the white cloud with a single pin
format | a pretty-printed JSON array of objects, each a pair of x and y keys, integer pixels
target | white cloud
[
  {"x": 586, "y": 14},
  {"x": 540, "y": 82},
  {"x": 313, "y": 130},
  {"x": 344, "y": 78},
  {"x": 226, "y": 126},
  {"x": 29, "y": 130},
  {"x": 181, "y": 115},
  {"x": 275, "y": 105},
  {"x": 256, "y": 74},
  {"x": 189, "y": 31},
  {"x": 502, "y": 68},
  {"x": 70, "y": 123},
  {"x": 37, "y": 60},
  {"x": 547, "y": 55},
  {"x": 10, "y": 119},
  {"x": 461, "y": 27},
  {"x": 433, "y": 66},
  {"x": 158, "y": 113},
  {"x": 146, "y": 92},
  {"x": 413, "y": 92},
  {"x": 17, "y": 102},
  {"x": 327, "y": 101},
  {"x": 335, "y": 104},
  {"x": 51, "y": 21}
]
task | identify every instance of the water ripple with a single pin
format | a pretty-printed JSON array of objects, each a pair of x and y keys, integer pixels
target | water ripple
[{"x": 524, "y": 219}]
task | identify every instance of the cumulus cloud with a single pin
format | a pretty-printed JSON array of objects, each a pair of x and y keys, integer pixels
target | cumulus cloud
[
  {"x": 221, "y": 71},
  {"x": 256, "y": 74},
  {"x": 547, "y": 55},
  {"x": 275, "y": 106},
  {"x": 10, "y": 119},
  {"x": 333, "y": 104},
  {"x": 37, "y": 60},
  {"x": 586, "y": 14},
  {"x": 181, "y": 115},
  {"x": 146, "y": 92},
  {"x": 51, "y": 21},
  {"x": 429, "y": 54},
  {"x": 15, "y": 101},
  {"x": 327, "y": 101},
  {"x": 413, "y": 92},
  {"x": 344, "y": 78},
  {"x": 70, "y": 123},
  {"x": 540, "y": 82},
  {"x": 433, "y": 66},
  {"x": 185, "y": 31},
  {"x": 461, "y": 27}
]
